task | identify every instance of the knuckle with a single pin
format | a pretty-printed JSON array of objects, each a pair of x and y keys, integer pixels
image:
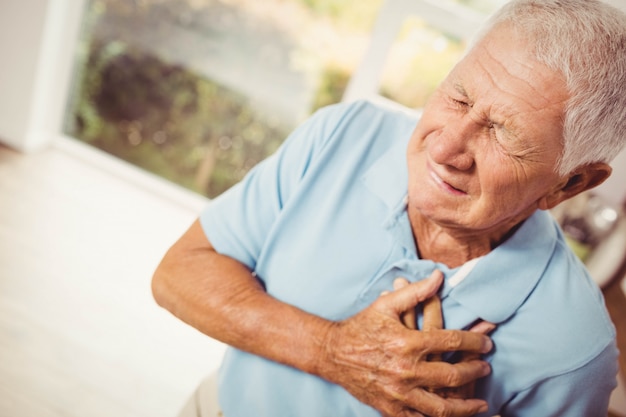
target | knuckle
[
  {"x": 452, "y": 341},
  {"x": 441, "y": 410},
  {"x": 453, "y": 377}
]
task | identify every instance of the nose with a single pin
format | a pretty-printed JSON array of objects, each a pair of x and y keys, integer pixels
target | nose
[{"x": 454, "y": 145}]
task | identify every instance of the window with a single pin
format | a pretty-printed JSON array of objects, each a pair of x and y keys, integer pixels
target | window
[
  {"x": 416, "y": 43},
  {"x": 199, "y": 91}
]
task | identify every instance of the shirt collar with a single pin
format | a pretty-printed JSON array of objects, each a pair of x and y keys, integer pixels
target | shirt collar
[{"x": 501, "y": 281}]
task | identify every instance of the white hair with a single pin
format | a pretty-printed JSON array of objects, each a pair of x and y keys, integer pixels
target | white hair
[{"x": 584, "y": 40}]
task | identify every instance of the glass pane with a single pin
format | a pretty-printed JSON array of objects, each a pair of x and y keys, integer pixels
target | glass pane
[
  {"x": 486, "y": 6},
  {"x": 421, "y": 56},
  {"x": 419, "y": 59},
  {"x": 199, "y": 91}
]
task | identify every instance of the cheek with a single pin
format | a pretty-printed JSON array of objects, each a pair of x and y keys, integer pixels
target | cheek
[
  {"x": 501, "y": 179},
  {"x": 415, "y": 155},
  {"x": 509, "y": 185}
]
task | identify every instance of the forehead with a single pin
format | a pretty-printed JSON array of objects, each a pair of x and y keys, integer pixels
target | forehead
[{"x": 501, "y": 68}]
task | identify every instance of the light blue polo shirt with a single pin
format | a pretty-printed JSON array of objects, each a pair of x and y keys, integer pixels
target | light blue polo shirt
[{"x": 323, "y": 224}]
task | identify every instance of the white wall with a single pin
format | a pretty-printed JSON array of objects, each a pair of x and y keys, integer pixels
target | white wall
[
  {"x": 614, "y": 189},
  {"x": 37, "y": 45},
  {"x": 21, "y": 30},
  {"x": 617, "y": 3}
]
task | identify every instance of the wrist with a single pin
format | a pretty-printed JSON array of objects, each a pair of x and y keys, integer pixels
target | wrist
[{"x": 323, "y": 356}]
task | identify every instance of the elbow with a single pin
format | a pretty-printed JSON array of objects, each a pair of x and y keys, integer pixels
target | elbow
[
  {"x": 157, "y": 288},
  {"x": 173, "y": 280},
  {"x": 161, "y": 282}
]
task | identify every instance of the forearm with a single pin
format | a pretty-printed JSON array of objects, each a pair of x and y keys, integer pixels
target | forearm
[
  {"x": 221, "y": 298},
  {"x": 371, "y": 354}
]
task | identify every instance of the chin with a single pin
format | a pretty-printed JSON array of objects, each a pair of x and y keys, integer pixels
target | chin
[{"x": 433, "y": 213}]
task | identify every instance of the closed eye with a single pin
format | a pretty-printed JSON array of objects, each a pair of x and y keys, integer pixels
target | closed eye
[
  {"x": 460, "y": 98},
  {"x": 460, "y": 103}
]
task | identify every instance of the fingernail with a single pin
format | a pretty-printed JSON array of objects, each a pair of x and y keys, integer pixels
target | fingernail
[
  {"x": 436, "y": 274},
  {"x": 399, "y": 283},
  {"x": 484, "y": 408},
  {"x": 487, "y": 345},
  {"x": 486, "y": 369}
]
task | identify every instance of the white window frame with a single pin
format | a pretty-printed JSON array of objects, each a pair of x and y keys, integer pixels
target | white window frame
[
  {"x": 38, "y": 39},
  {"x": 443, "y": 15}
]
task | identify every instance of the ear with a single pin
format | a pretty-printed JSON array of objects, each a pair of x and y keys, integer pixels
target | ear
[{"x": 582, "y": 179}]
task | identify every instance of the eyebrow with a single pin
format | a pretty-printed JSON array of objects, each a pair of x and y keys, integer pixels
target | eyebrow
[
  {"x": 512, "y": 133},
  {"x": 460, "y": 89}
]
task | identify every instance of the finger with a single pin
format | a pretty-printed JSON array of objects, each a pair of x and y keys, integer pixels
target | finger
[
  {"x": 433, "y": 405},
  {"x": 448, "y": 375},
  {"x": 411, "y": 295},
  {"x": 404, "y": 413},
  {"x": 433, "y": 320},
  {"x": 400, "y": 283},
  {"x": 408, "y": 317},
  {"x": 435, "y": 340},
  {"x": 483, "y": 327},
  {"x": 468, "y": 390},
  {"x": 464, "y": 392}
]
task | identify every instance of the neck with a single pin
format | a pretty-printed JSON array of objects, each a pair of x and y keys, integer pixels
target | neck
[{"x": 452, "y": 246}]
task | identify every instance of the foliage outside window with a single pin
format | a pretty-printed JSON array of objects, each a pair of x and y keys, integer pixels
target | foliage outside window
[{"x": 199, "y": 91}]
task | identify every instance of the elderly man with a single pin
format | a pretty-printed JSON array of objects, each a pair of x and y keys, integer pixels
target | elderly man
[{"x": 288, "y": 267}]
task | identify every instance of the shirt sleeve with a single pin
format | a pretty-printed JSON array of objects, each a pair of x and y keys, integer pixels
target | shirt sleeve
[
  {"x": 237, "y": 223},
  {"x": 584, "y": 392}
]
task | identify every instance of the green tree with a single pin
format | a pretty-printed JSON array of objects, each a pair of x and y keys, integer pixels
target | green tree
[{"x": 169, "y": 120}]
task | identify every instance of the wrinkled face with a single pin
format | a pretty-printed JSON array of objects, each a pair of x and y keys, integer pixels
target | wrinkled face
[{"x": 483, "y": 155}]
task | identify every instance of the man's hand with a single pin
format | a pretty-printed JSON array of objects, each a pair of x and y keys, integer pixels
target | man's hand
[
  {"x": 385, "y": 365},
  {"x": 433, "y": 320}
]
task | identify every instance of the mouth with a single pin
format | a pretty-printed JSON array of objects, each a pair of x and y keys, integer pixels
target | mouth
[{"x": 444, "y": 185}]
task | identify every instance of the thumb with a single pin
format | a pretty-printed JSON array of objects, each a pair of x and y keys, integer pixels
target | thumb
[{"x": 411, "y": 295}]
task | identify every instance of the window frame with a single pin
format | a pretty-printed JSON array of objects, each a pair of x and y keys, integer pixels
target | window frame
[{"x": 38, "y": 72}]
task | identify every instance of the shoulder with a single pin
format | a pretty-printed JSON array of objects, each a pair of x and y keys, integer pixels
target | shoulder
[
  {"x": 563, "y": 325},
  {"x": 360, "y": 116},
  {"x": 359, "y": 131}
]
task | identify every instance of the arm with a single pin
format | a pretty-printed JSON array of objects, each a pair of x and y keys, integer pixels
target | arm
[
  {"x": 221, "y": 297},
  {"x": 372, "y": 355}
]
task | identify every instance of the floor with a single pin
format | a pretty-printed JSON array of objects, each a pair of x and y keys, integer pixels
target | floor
[{"x": 79, "y": 332}]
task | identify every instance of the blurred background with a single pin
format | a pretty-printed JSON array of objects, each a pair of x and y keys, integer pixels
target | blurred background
[
  {"x": 199, "y": 91},
  {"x": 121, "y": 119}
]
